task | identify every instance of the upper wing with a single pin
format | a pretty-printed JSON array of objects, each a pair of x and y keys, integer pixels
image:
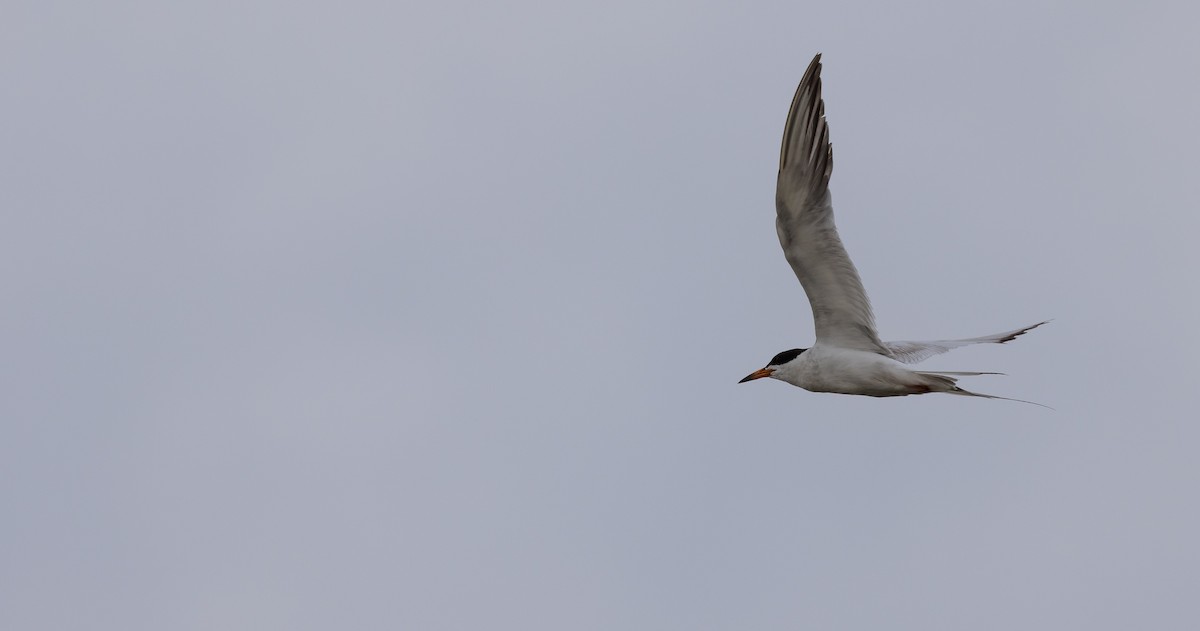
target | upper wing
[
  {"x": 913, "y": 352},
  {"x": 841, "y": 311}
]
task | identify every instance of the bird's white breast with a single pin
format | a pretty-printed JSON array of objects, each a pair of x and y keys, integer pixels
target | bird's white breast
[{"x": 846, "y": 371}]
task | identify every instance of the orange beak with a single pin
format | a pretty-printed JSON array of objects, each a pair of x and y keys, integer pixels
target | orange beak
[{"x": 758, "y": 374}]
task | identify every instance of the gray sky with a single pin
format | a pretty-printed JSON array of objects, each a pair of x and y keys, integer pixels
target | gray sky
[{"x": 430, "y": 316}]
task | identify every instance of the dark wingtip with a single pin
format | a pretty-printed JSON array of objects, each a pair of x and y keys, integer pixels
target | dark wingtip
[
  {"x": 806, "y": 138},
  {"x": 1024, "y": 331},
  {"x": 814, "y": 67}
]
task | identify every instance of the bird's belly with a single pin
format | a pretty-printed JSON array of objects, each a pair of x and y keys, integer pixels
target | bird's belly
[{"x": 857, "y": 372}]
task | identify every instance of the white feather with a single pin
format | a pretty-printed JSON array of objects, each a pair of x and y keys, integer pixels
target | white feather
[{"x": 913, "y": 352}]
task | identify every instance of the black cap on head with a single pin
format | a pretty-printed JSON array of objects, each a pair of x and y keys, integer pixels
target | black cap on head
[{"x": 786, "y": 356}]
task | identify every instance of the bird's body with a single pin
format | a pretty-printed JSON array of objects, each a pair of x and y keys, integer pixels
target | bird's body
[
  {"x": 848, "y": 371},
  {"x": 848, "y": 357}
]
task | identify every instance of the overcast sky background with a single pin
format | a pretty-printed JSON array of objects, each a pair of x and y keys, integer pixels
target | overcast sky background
[{"x": 369, "y": 315}]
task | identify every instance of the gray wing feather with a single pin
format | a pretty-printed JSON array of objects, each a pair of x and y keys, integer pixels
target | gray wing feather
[
  {"x": 841, "y": 311},
  {"x": 913, "y": 352}
]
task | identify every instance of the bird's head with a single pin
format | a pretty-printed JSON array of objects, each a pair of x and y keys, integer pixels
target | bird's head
[{"x": 777, "y": 362}]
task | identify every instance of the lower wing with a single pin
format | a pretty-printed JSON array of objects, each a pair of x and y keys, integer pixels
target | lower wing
[{"x": 913, "y": 352}]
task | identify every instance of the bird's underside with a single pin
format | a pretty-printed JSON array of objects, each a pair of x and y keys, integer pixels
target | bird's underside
[{"x": 848, "y": 357}]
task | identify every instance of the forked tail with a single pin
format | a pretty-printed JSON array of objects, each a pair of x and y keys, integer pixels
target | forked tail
[
  {"x": 947, "y": 380},
  {"x": 968, "y": 393}
]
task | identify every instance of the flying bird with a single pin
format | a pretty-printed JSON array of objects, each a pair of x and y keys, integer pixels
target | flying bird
[{"x": 847, "y": 357}]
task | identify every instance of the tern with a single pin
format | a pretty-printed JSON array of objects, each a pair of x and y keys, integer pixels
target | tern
[{"x": 847, "y": 356}]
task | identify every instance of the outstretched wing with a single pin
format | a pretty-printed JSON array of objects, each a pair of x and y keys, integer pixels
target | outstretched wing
[
  {"x": 841, "y": 310},
  {"x": 913, "y": 352}
]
